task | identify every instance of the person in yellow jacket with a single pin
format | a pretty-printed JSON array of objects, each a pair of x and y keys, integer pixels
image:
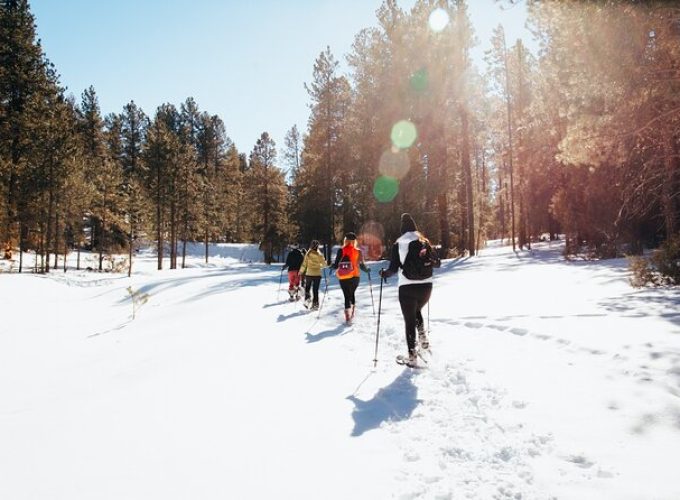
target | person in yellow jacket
[{"x": 311, "y": 269}]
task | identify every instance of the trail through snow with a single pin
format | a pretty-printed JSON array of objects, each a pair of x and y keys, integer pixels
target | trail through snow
[{"x": 548, "y": 379}]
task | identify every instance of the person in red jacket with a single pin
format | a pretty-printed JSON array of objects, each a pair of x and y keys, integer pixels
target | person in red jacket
[{"x": 348, "y": 261}]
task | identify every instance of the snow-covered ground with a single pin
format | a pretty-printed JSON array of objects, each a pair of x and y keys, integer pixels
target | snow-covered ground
[{"x": 549, "y": 379}]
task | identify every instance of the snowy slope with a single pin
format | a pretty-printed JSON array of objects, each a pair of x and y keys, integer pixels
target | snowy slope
[{"x": 549, "y": 379}]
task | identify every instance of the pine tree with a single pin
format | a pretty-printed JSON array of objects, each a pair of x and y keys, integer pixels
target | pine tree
[
  {"x": 134, "y": 125},
  {"x": 267, "y": 192},
  {"x": 27, "y": 79}
]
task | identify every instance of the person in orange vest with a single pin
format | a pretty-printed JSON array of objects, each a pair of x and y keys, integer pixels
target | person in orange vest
[{"x": 348, "y": 261}]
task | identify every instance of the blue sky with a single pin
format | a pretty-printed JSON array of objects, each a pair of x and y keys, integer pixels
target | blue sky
[{"x": 245, "y": 61}]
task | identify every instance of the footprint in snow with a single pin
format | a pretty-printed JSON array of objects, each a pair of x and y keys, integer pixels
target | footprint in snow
[
  {"x": 581, "y": 461},
  {"x": 471, "y": 324}
]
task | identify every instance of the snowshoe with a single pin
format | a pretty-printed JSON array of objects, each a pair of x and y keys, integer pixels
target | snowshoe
[
  {"x": 348, "y": 316},
  {"x": 411, "y": 361}
]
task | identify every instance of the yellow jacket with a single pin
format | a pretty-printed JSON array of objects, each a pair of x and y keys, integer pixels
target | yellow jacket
[{"x": 313, "y": 263}]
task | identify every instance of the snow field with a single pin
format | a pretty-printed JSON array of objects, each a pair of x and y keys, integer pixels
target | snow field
[{"x": 549, "y": 379}]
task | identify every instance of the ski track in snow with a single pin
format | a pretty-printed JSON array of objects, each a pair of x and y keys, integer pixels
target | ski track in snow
[{"x": 547, "y": 393}]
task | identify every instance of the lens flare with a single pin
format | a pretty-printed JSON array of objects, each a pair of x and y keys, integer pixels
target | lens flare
[
  {"x": 403, "y": 134},
  {"x": 371, "y": 235},
  {"x": 419, "y": 80},
  {"x": 394, "y": 163},
  {"x": 385, "y": 188},
  {"x": 438, "y": 20}
]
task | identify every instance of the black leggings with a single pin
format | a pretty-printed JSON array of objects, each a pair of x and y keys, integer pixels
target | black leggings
[
  {"x": 349, "y": 286},
  {"x": 315, "y": 281},
  {"x": 412, "y": 298}
]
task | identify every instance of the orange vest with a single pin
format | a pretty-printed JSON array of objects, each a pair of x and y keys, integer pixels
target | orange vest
[{"x": 353, "y": 254}]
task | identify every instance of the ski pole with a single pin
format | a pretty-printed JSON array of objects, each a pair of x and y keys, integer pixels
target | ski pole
[
  {"x": 428, "y": 317},
  {"x": 278, "y": 294},
  {"x": 370, "y": 288},
  {"x": 325, "y": 291},
  {"x": 377, "y": 331}
]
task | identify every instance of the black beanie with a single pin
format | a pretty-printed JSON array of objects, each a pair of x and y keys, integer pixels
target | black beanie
[
  {"x": 407, "y": 223},
  {"x": 350, "y": 236}
]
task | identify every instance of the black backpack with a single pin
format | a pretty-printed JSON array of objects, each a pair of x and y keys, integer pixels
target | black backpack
[{"x": 421, "y": 258}]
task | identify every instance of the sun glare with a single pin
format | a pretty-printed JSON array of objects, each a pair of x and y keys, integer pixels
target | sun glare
[{"x": 438, "y": 20}]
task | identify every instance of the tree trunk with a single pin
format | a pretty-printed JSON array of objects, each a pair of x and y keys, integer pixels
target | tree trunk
[
  {"x": 56, "y": 233},
  {"x": 469, "y": 193},
  {"x": 130, "y": 244},
  {"x": 509, "y": 116},
  {"x": 206, "y": 244},
  {"x": 173, "y": 236},
  {"x": 159, "y": 231},
  {"x": 21, "y": 246},
  {"x": 442, "y": 207},
  {"x": 667, "y": 190},
  {"x": 103, "y": 232},
  {"x": 503, "y": 190}
]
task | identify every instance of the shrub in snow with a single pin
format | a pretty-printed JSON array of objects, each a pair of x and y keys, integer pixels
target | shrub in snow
[
  {"x": 666, "y": 260},
  {"x": 662, "y": 268}
]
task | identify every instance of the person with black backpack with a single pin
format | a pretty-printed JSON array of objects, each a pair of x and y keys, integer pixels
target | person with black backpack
[
  {"x": 348, "y": 261},
  {"x": 413, "y": 254}
]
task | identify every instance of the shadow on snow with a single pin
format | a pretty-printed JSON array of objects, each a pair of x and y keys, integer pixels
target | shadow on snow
[
  {"x": 333, "y": 332},
  {"x": 393, "y": 403}
]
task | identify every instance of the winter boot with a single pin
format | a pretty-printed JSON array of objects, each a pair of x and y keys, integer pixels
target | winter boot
[
  {"x": 412, "y": 358},
  {"x": 315, "y": 306},
  {"x": 348, "y": 315},
  {"x": 351, "y": 315},
  {"x": 422, "y": 337},
  {"x": 291, "y": 295},
  {"x": 307, "y": 303}
]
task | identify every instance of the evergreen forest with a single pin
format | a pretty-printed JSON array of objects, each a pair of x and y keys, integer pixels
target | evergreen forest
[{"x": 579, "y": 139}]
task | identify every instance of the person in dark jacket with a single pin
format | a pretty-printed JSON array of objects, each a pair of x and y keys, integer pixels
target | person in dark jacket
[
  {"x": 348, "y": 261},
  {"x": 413, "y": 294},
  {"x": 293, "y": 263}
]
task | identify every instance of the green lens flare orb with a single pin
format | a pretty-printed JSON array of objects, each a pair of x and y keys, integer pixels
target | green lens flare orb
[
  {"x": 385, "y": 189},
  {"x": 419, "y": 80},
  {"x": 403, "y": 134}
]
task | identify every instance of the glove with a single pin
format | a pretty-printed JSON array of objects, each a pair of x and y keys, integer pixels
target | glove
[{"x": 384, "y": 273}]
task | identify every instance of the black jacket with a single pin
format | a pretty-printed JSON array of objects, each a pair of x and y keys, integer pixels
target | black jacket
[{"x": 294, "y": 260}]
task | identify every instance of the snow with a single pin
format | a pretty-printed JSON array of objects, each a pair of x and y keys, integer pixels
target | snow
[{"x": 548, "y": 379}]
